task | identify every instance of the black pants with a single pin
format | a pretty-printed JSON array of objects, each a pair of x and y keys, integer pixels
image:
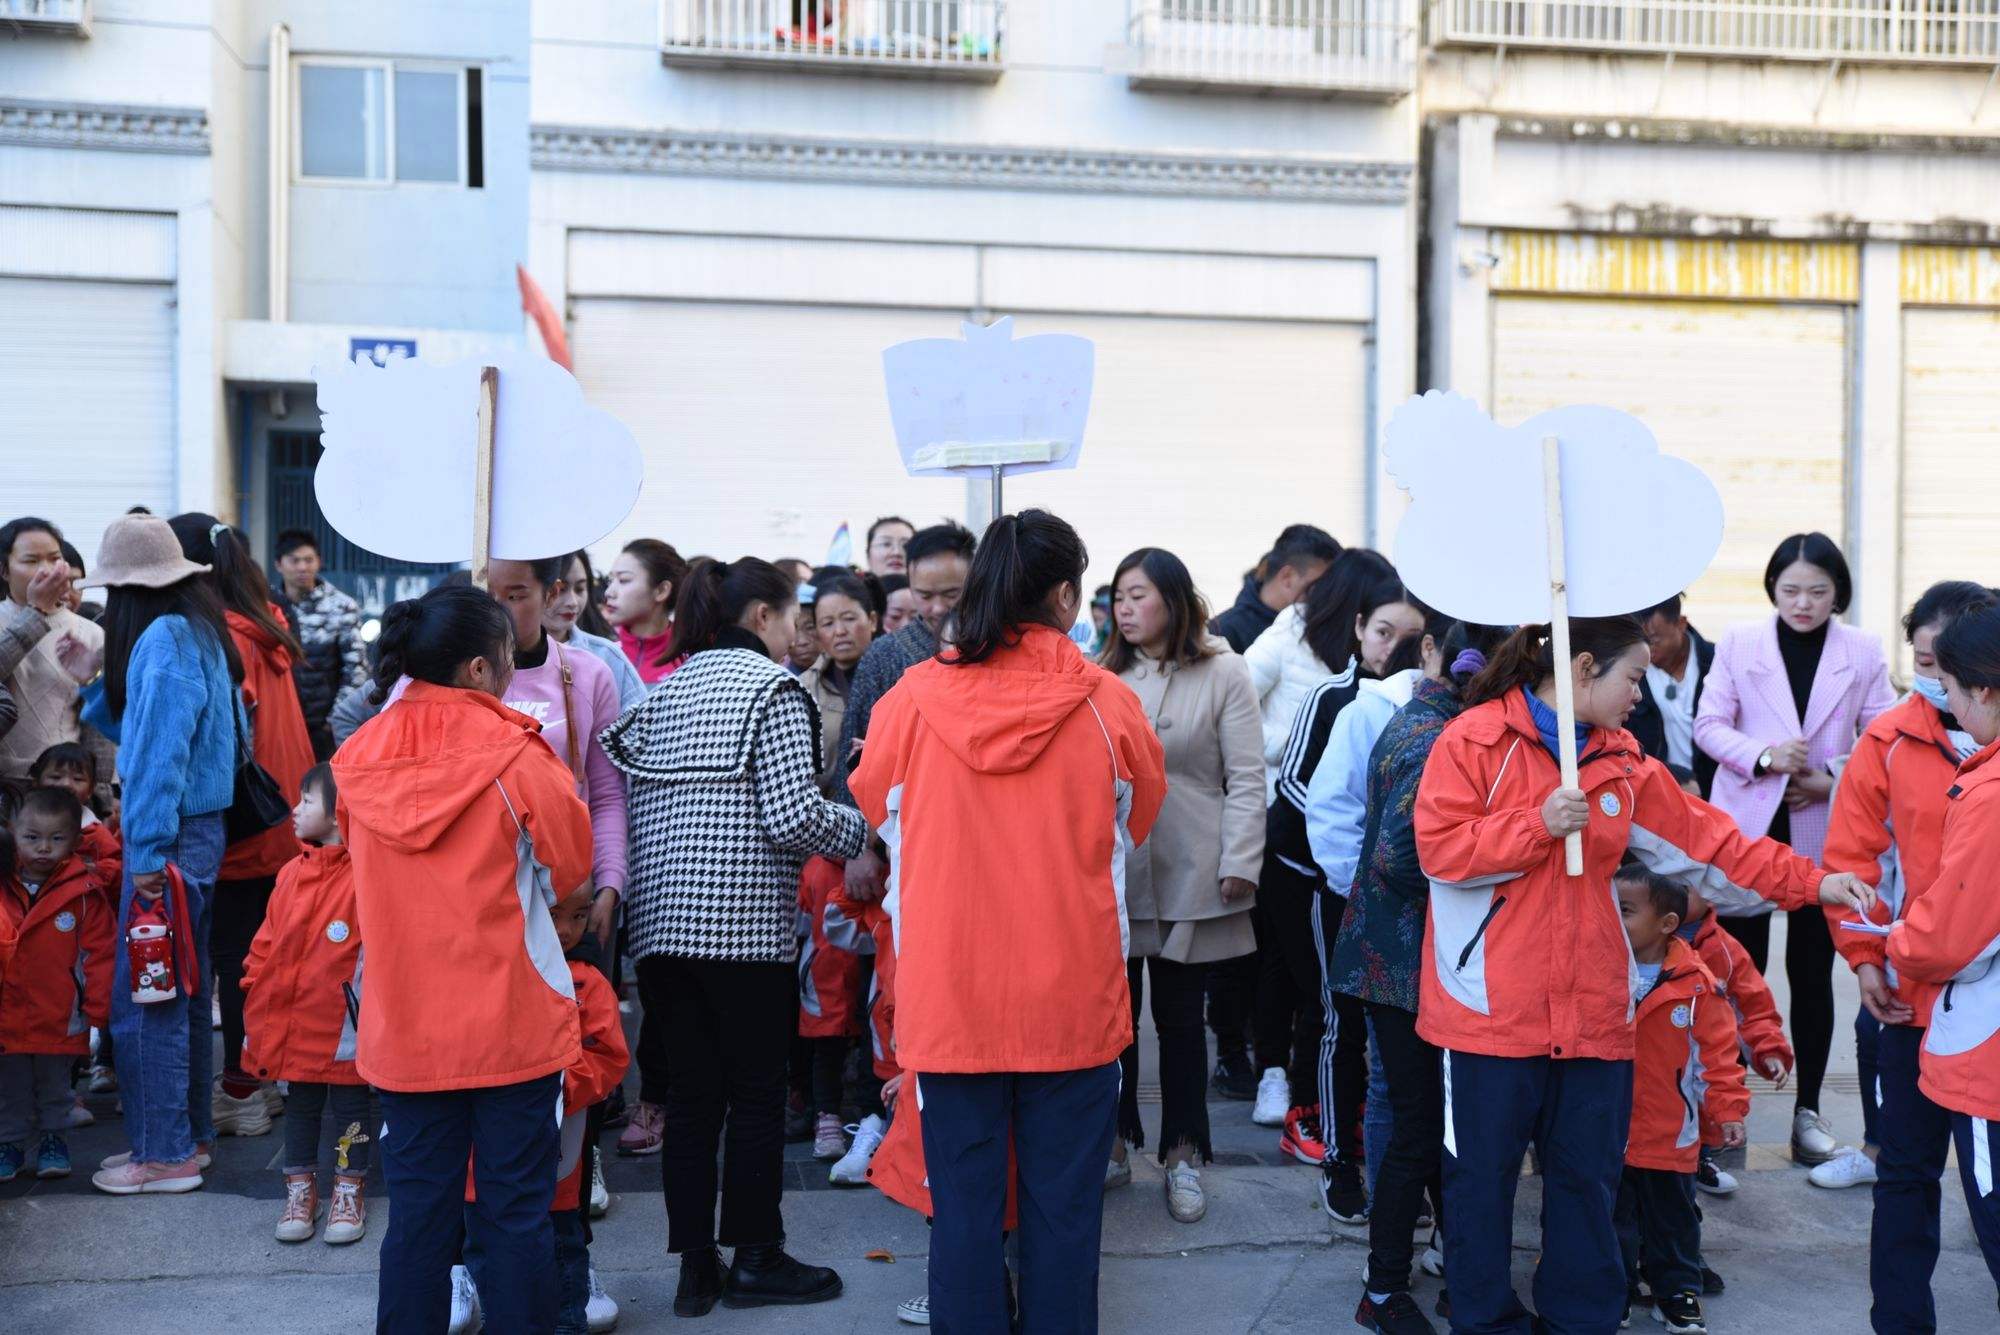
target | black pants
[
  {"x": 727, "y": 1031},
  {"x": 1656, "y": 1211},
  {"x": 305, "y": 1108},
  {"x": 1291, "y": 1017},
  {"x": 1809, "y": 971},
  {"x": 649, "y": 1053},
  {"x": 1177, "y": 990},
  {"x": 1342, "y": 1064},
  {"x": 238, "y": 913},
  {"x": 1412, "y": 1165},
  {"x": 1232, "y": 999},
  {"x": 1903, "y": 1239}
]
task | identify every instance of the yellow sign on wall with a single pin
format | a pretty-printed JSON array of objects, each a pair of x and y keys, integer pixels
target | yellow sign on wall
[
  {"x": 1582, "y": 264},
  {"x": 1951, "y": 276}
]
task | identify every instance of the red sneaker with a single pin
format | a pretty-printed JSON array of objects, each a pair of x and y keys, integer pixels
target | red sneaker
[{"x": 1302, "y": 1136}]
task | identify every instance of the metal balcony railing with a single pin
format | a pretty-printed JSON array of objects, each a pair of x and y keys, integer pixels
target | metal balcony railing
[
  {"x": 1364, "y": 47},
  {"x": 919, "y": 37},
  {"x": 66, "y": 16},
  {"x": 1917, "y": 32}
]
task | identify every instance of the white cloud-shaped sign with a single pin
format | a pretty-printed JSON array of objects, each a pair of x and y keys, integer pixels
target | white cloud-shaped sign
[
  {"x": 1638, "y": 526},
  {"x": 949, "y": 397},
  {"x": 400, "y": 440}
]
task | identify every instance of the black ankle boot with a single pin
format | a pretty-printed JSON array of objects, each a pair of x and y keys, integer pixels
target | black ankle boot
[
  {"x": 701, "y": 1283},
  {"x": 764, "y": 1276}
]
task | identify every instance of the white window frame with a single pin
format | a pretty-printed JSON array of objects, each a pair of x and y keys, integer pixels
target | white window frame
[{"x": 389, "y": 68}]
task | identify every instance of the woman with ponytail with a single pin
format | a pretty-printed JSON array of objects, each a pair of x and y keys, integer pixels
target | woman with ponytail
[
  {"x": 1529, "y": 980},
  {"x": 723, "y": 760},
  {"x": 1011, "y": 780},
  {"x": 463, "y": 828},
  {"x": 280, "y": 742}
]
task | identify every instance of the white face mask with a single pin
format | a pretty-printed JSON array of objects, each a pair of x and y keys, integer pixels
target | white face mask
[{"x": 1932, "y": 690}]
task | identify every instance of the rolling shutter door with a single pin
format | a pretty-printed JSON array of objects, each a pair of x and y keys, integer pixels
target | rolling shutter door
[
  {"x": 86, "y": 402},
  {"x": 1951, "y": 435},
  {"x": 1754, "y": 393}
]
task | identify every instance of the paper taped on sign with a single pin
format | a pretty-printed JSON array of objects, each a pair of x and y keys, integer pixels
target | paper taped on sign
[
  {"x": 989, "y": 400},
  {"x": 397, "y": 474},
  {"x": 1638, "y": 526}
]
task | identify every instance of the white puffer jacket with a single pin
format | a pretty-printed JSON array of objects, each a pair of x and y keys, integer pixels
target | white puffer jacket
[{"x": 1284, "y": 671}]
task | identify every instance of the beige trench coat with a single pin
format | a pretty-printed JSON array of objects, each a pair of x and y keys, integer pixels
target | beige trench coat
[
  {"x": 1212, "y": 824},
  {"x": 832, "y": 713}
]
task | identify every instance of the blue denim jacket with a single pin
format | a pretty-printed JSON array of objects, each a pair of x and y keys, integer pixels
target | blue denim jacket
[{"x": 176, "y": 739}]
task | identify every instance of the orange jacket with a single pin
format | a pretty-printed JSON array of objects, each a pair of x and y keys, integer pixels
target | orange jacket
[
  {"x": 1951, "y": 939},
  {"x": 1009, "y": 793},
  {"x": 865, "y": 929},
  {"x": 1684, "y": 1066},
  {"x": 1887, "y": 828},
  {"x": 1760, "y": 1029},
  {"x": 898, "y": 1170},
  {"x": 105, "y": 854},
  {"x": 60, "y": 982},
  {"x": 303, "y": 975},
  {"x": 279, "y": 741},
  {"x": 463, "y": 828},
  {"x": 1521, "y": 959},
  {"x": 829, "y": 972}
]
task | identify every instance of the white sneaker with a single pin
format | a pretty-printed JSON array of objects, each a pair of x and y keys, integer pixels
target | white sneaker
[
  {"x": 1812, "y": 1138},
  {"x": 1711, "y": 1178},
  {"x": 1185, "y": 1201},
  {"x": 601, "y": 1312},
  {"x": 1849, "y": 1168},
  {"x": 103, "y": 1080},
  {"x": 79, "y": 1115},
  {"x": 466, "y": 1318},
  {"x": 1431, "y": 1262},
  {"x": 915, "y": 1311},
  {"x": 600, "y": 1195},
  {"x": 829, "y": 1141},
  {"x": 852, "y": 1170},
  {"x": 239, "y": 1117},
  {"x": 1274, "y": 1098},
  {"x": 1117, "y": 1173}
]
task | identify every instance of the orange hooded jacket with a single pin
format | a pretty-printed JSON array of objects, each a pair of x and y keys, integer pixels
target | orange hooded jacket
[
  {"x": 1950, "y": 938},
  {"x": 1521, "y": 959},
  {"x": 101, "y": 849},
  {"x": 303, "y": 975},
  {"x": 60, "y": 982},
  {"x": 279, "y": 741},
  {"x": 1685, "y": 1069},
  {"x": 1010, "y": 793},
  {"x": 463, "y": 828},
  {"x": 829, "y": 970},
  {"x": 865, "y": 929},
  {"x": 1887, "y": 827}
]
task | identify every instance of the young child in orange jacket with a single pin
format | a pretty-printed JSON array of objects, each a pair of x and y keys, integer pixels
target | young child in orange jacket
[
  {"x": 829, "y": 1013},
  {"x": 1684, "y": 1064},
  {"x": 301, "y": 1009},
  {"x": 70, "y": 765},
  {"x": 1760, "y": 1029},
  {"x": 59, "y": 984}
]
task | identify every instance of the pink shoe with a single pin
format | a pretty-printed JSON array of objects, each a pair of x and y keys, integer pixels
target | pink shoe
[
  {"x": 132, "y": 1179},
  {"x": 644, "y": 1131},
  {"x": 202, "y": 1157}
]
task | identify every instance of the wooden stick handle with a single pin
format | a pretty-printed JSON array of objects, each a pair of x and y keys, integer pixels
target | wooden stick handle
[
  {"x": 1559, "y": 635},
  {"x": 482, "y": 475}
]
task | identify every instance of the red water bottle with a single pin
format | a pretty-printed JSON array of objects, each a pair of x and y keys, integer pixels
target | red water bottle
[{"x": 149, "y": 945}]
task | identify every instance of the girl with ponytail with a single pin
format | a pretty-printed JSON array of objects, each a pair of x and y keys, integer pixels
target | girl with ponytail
[
  {"x": 1528, "y": 976},
  {"x": 280, "y": 742},
  {"x": 722, "y": 761},
  {"x": 1011, "y": 780}
]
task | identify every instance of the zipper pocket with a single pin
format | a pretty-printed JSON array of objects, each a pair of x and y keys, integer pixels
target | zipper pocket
[{"x": 1465, "y": 956}]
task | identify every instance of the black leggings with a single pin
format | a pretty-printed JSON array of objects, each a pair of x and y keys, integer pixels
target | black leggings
[
  {"x": 1809, "y": 971},
  {"x": 1412, "y": 1165},
  {"x": 238, "y": 913},
  {"x": 1177, "y": 990},
  {"x": 1291, "y": 1016}
]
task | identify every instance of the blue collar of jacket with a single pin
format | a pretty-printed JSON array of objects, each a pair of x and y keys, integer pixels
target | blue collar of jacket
[{"x": 1545, "y": 724}]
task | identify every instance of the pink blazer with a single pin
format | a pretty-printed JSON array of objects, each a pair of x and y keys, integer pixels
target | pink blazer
[{"x": 1746, "y": 706}]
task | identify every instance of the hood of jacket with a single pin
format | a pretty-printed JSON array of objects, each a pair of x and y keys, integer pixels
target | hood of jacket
[
  {"x": 267, "y": 643},
  {"x": 1396, "y": 688},
  {"x": 1000, "y": 715},
  {"x": 412, "y": 770}
]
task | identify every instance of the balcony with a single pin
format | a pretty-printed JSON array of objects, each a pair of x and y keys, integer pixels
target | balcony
[
  {"x": 70, "y": 17},
  {"x": 1309, "y": 48},
  {"x": 1908, "y": 32},
  {"x": 914, "y": 38}
]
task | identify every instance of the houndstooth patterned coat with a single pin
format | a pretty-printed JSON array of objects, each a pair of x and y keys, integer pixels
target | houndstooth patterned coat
[{"x": 724, "y": 810}]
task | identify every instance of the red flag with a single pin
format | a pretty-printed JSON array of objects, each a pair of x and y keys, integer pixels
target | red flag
[{"x": 536, "y": 303}]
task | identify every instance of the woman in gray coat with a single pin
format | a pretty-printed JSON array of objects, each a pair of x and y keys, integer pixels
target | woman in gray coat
[{"x": 1190, "y": 887}]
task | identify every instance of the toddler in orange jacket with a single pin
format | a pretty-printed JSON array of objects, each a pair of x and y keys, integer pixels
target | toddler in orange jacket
[
  {"x": 59, "y": 983},
  {"x": 1760, "y": 1028},
  {"x": 829, "y": 1008},
  {"x": 1684, "y": 1063}
]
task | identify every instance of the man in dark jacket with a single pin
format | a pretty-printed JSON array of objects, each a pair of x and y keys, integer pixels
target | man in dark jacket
[
  {"x": 328, "y": 623},
  {"x": 1669, "y": 697},
  {"x": 1301, "y": 555}
]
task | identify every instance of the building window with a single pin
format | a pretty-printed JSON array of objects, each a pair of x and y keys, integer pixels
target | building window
[{"x": 383, "y": 122}]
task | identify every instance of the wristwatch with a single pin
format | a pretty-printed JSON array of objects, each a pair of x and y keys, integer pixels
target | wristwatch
[{"x": 1764, "y": 763}]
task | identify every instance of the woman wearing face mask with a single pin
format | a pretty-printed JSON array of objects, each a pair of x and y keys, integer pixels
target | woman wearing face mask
[
  {"x": 1888, "y": 829},
  {"x": 845, "y": 622},
  {"x": 1950, "y": 938},
  {"x": 572, "y": 619},
  {"x": 1528, "y": 973},
  {"x": 722, "y": 761},
  {"x": 1786, "y": 700},
  {"x": 463, "y": 827},
  {"x": 639, "y": 601}
]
